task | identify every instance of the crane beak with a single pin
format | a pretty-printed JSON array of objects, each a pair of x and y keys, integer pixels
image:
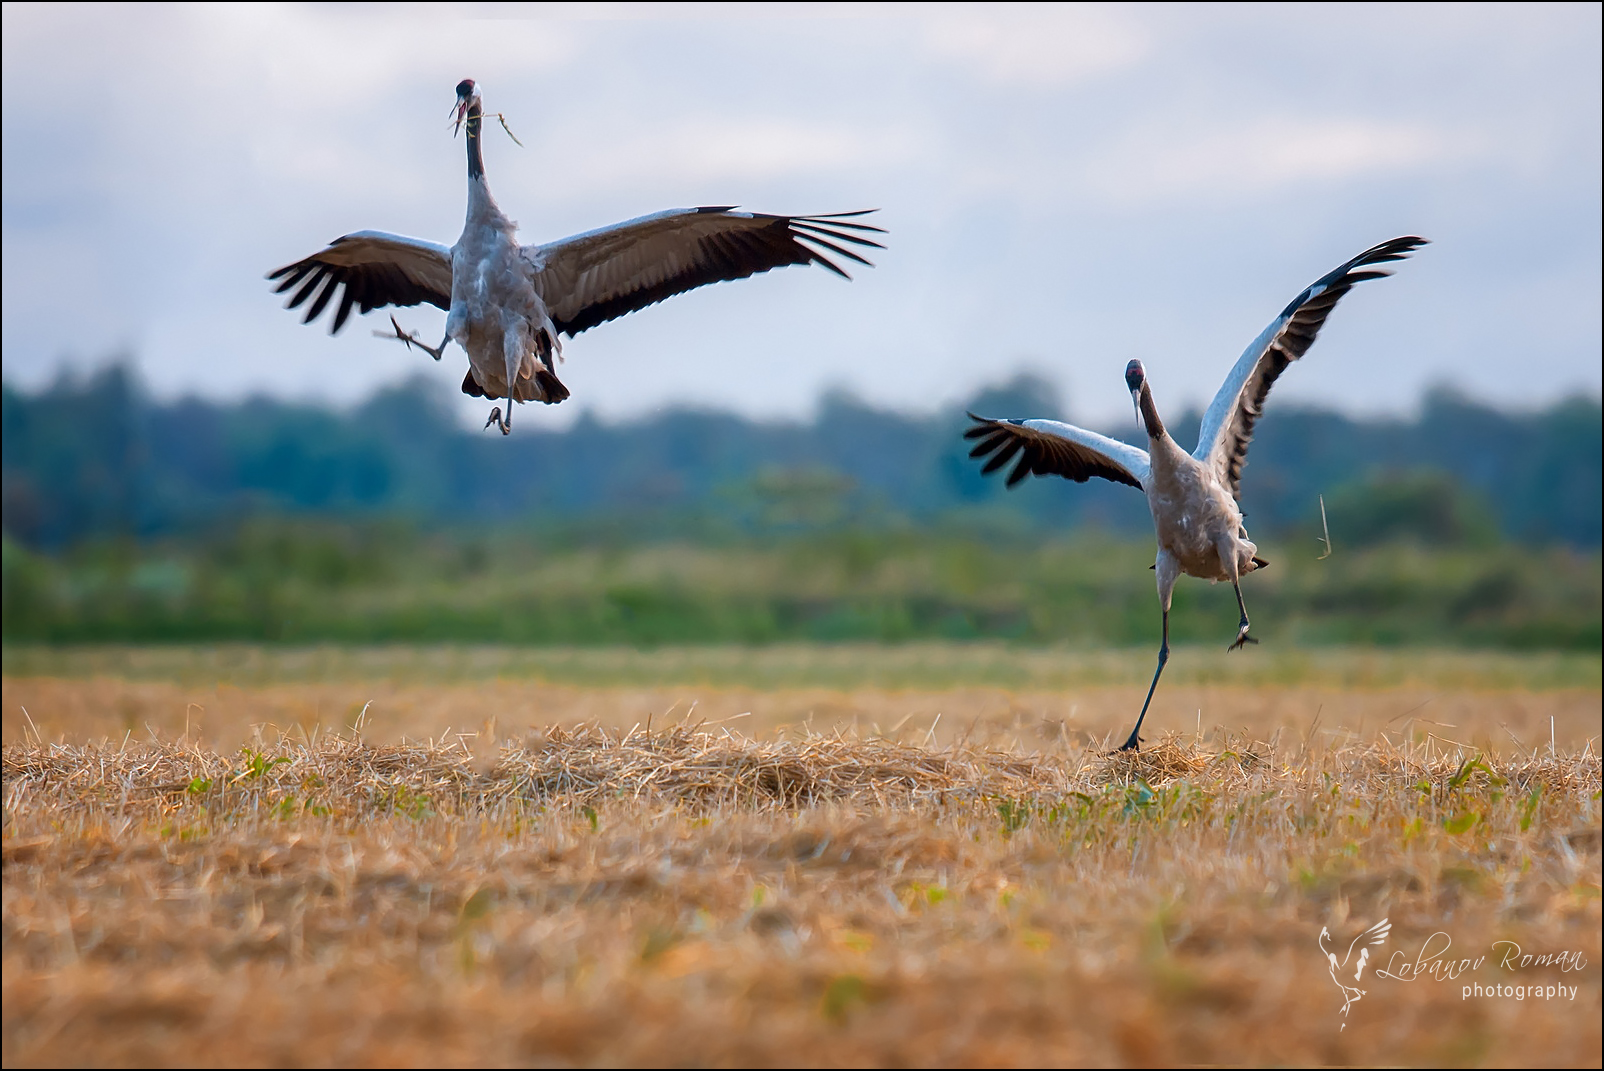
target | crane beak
[
  {"x": 1136, "y": 407},
  {"x": 461, "y": 108}
]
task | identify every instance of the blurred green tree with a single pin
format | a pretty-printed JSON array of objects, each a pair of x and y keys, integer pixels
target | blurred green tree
[{"x": 1425, "y": 506}]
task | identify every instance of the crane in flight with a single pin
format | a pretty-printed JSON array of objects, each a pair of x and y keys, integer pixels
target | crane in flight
[
  {"x": 508, "y": 304},
  {"x": 1194, "y": 499}
]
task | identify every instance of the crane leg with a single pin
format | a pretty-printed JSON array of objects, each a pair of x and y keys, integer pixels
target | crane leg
[
  {"x": 512, "y": 355},
  {"x": 411, "y": 340},
  {"x": 1134, "y": 741},
  {"x": 1242, "y": 636},
  {"x": 1168, "y": 570}
]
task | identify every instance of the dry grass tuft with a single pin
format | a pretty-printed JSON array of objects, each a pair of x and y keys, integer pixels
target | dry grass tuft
[
  {"x": 558, "y": 766},
  {"x": 1164, "y": 761},
  {"x": 581, "y": 896}
]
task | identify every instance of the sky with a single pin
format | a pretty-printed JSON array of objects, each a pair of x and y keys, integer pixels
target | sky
[{"x": 1065, "y": 188}]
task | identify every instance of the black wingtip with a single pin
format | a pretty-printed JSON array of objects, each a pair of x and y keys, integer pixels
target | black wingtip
[
  {"x": 825, "y": 262},
  {"x": 981, "y": 427},
  {"x": 844, "y": 215},
  {"x": 832, "y": 247},
  {"x": 1391, "y": 250},
  {"x": 806, "y": 228},
  {"x": 1341, "y": 278},
  {"x": 834, "y": 220}
]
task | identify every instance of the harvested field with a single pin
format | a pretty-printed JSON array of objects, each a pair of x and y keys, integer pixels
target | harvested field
[
  {"x": 567, "y": 881},
  {"x": 689, "y": 898},
  {"x": 770, "y": 667},
  {"x": 925, "y": 693}
]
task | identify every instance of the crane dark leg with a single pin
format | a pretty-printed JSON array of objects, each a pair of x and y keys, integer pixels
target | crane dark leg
[
  {"x": 411, "y": 340},
  {"x": 1242, "y": 636},
  {"x": 1167, "y": 571},
  {"x": 1134, "y": 741}
]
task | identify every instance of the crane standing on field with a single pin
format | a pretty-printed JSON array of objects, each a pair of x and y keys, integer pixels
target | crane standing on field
[
  {"x": 1194, "y": 498},
  {"x": 508, "y": 304}
]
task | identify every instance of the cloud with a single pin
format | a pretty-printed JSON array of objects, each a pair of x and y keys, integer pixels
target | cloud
[
  {"x": 1231, "y": 159},
  {"x": 1033, "y": 45},
  {"x": 721, "y": 152},
  {"x": 1044, "y": 172}
]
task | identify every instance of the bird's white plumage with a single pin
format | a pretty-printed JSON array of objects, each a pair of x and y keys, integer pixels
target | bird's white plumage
[
  {"x": 428, "y": 261},
  {"x": 1228, "y": 425},
  {"x": 1133, "y": 459},
  {"x": 1212, "y": 433}
]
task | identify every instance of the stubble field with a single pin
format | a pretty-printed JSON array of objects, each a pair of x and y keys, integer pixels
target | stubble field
[{"x": 916, "y": 855}]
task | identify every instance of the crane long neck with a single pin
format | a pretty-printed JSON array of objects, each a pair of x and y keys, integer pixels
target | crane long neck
[
  {"x": 1150, "y": 418},
  {"x": 476, "y": 160}
]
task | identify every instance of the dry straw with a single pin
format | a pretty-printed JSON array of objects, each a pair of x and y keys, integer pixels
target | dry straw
[
  {"x": 689, "y": 895},
  {"x": 587, "y": 764}
]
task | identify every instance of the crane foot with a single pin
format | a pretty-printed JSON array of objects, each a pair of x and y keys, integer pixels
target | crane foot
[
  {"x": 502, "y": 422},
  {"x": 1241, "y": 639}
]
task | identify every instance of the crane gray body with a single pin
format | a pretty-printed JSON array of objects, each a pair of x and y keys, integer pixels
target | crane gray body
[{"x": 497, "y": 314}]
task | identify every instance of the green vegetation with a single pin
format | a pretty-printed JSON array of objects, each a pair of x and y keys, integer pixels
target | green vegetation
[
  {"x": 1424, "y": 505},
  {"x": 304, "y": 582},
  {"x": 128, "y": 520},
  {"x": 96, "y": 458}
]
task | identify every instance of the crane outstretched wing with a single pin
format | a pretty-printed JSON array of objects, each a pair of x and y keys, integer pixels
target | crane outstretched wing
[
  {"x": 1228, "y": 424},
  {"x": 601, "y": 275},
  {"x": 376, "y": 269},
  {"x": 1048, "y": 448}
]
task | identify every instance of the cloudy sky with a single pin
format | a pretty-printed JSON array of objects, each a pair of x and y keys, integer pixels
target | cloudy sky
[{"x": 1066, "y": 188}]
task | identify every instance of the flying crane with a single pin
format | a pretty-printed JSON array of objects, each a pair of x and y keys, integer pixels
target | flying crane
[{"x": 509, "y": 304}]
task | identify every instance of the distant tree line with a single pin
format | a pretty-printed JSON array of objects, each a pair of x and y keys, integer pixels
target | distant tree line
[{"x": 94, "y": 457}]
